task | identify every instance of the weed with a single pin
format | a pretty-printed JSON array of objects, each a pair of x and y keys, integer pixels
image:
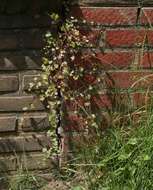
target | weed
[{"x": 26, "y": 181}]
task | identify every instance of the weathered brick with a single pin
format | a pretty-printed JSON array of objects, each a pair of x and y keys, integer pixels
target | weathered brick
[
  {"x": 31, "y": 39},
  {"x": 115, "y": 60},
  {"x": 9, "y": 83},
  {"x": 22, "y": 39},
  {"x": 147, "y": 60},
  {"x": 23, "y": 144},
  {"x": 111, "y": 2},
  {"x": 8, "y": 123},
  {"x": 33, "y": 6},
  {"x": 111, "y": 101},
  {"x": 27, "y": 79},
  {"x": 141, "y": 99},
  {"x": 7, "y": 163},
  {"x": 93, "y": 35},
  {"x": 103, "y": 100},
  {"x": 106, "y": 16},
  {"x": 129, "y": 80},
  {"x": 34, "y": 162},
  {"x": 24, "y": 21},
  {"x": 20, "y": 103},
  {"x": 34, "y": 122},
  {"x": 74, "y": 123},
  {"x": 129, "y": 38},
  {"x": 8, "y": 41},
  {"x": 146, "y": 16},
  {"x": 20, "y": 61}
]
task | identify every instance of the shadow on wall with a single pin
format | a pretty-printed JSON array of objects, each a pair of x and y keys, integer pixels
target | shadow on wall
[
  {"x": 17, "y": 155},
  {"x": 28, "y": 6},
  {"x": 3, "y": 175}
]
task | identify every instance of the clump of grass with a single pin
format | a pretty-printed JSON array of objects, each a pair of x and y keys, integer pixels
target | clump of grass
[
  {"x": 122, "y": 158},
  {"x": 26, "y": 181}
]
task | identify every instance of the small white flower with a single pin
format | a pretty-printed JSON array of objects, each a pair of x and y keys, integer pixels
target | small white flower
[
  {"x": 99, "y": 80},
  {"x": 92, "y": 23},
  {"x": 24, "y": 108},
  {"x": 50, "y": 62},
  {"x": 72, "y": 98},
  {"x": 39, "y": 84},
  {"x": 87, "y": 104},
  {"x": 56, "y": 66},
  {"x": 64, "y": 63},
  {"x": 35, "y": 79},
  {"x": 86, "y": 122},
  {"x": 75, "y": 112},
  {"x": 73, "y": 58},
  {"x": 93, "y": 116},
  {"x": 81, "y": 69},
  {"x": 90, "y": 87}
]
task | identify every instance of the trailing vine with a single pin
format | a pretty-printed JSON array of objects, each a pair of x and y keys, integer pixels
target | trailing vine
[{"x": 66, "y": 77}]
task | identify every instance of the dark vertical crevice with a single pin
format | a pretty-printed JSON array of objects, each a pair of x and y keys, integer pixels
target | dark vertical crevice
[{"x": 139, "y": 11}]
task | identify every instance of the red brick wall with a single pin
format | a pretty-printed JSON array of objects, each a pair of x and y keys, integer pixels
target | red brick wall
[{"x": 122, "y": 33}]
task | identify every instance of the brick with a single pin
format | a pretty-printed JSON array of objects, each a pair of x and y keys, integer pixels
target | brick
[
  {"x": 129, "y": 80},
  {"x": 18, "y": 7},
  {"x": 146, "y": 16},
  {"x": 124, "y": 60},
  {"x": 34, "y": 162},
  {"x": 23, "y": 144},
  {"x": 111, "y": 101},
  {"x": 20, "y": 61},
  {"x": 7, "y": 163},
  {"x": 107, "y": 60},
  {"x": 147, "y": 60},
  {"x": 106, "y": 16},
  {"x": 8, "y": 123},
  {"x": 128, "y": 38},
  {"x": 8, "y": 41},
  {"x": 74, "y": 123},
  {"x": 20, "y": 103},
  {"x": 110, "y": 2},
  {"x": 102, "y": 101},
  {"x": 22, "y": 39},
  {"x": 115, "y": 60},
  {"x": 9, "y": 83},
  {"x": 141, "y": 99},
  {"x": 93, "y": 35},
  {"x": 80, "y": 84},
  {"x": 27, "y": 79},
  {"x": 34, "y": 122},
  {"x": 31, "y": 39},
  {"x": 74, "y": 105},
  {"x": 24, "y": 21}
]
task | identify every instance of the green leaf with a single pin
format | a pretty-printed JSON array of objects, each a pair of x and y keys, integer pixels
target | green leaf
[
  {"x": 124, "y": 156},
  {"x": 77, "y": 188},
  {"x": 133, "y": 141},
  {"x": 146, "y": 157}
]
